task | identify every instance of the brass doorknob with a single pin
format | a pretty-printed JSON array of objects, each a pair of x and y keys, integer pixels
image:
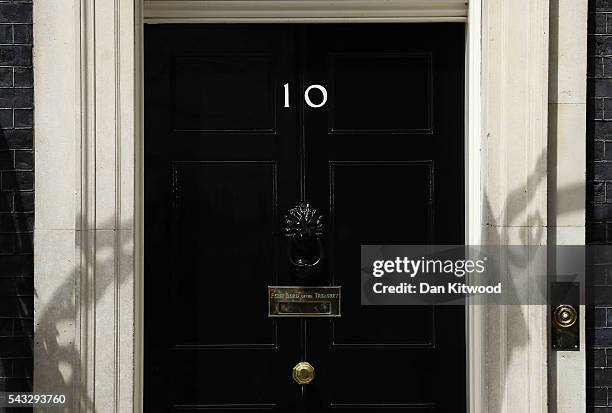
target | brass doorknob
[
  {"x": 303, "y": 372},
  {"x": 565, "y": 316}
]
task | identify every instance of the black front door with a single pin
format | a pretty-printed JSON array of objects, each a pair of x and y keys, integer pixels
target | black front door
[{"x": 231, "y": 144}]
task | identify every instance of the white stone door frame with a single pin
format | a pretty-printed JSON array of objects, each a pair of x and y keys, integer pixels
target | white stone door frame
[{"x": 89, "y": 178}]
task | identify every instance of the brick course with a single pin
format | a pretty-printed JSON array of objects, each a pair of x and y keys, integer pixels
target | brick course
[{"x": 16, "y": 195}]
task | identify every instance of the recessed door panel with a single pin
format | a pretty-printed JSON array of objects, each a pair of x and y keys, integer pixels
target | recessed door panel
[
  {"x": 382, "y": 92},
  {"x": 378, "y": 203},
  {"x": 232, "y": 92},
  {"x": 225, "y": 215}
]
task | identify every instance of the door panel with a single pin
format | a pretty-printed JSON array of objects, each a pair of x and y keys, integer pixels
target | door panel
[
  {"x": 225, "y": 160},
  {"x": 205, "y": 92},
  {"x": 367, "y": 208},
  {"x": 382, "y": 80},
  {"x": 220, "y": 220}
]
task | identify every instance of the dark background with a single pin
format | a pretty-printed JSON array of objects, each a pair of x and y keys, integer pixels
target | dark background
[{"x": 16, "y": 195}]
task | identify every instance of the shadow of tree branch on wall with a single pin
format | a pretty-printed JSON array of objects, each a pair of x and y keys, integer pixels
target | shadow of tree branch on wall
[
  {"x": 495, "y": 232},
  {"x": 511, "y": 222},
  {"x": 57, "y": 329}
]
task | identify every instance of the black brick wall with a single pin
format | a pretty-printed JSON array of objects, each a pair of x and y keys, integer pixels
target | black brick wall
[{"x": 16, "y": 195}]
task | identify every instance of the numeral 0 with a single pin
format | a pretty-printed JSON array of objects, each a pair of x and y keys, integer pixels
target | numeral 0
[{"x": 307, "y": 96}]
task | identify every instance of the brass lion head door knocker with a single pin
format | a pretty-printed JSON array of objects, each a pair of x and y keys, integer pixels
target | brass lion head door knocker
[{"x": 304, "y": 232}]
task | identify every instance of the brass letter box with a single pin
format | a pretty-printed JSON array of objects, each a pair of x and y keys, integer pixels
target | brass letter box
[{"x": 286, "y": 301}]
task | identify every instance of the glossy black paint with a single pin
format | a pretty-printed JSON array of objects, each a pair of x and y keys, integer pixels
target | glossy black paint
[{"x": 224, "y": 161}]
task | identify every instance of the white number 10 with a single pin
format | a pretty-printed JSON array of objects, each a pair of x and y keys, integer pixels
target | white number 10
[{"x": 307, "y": 96}]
